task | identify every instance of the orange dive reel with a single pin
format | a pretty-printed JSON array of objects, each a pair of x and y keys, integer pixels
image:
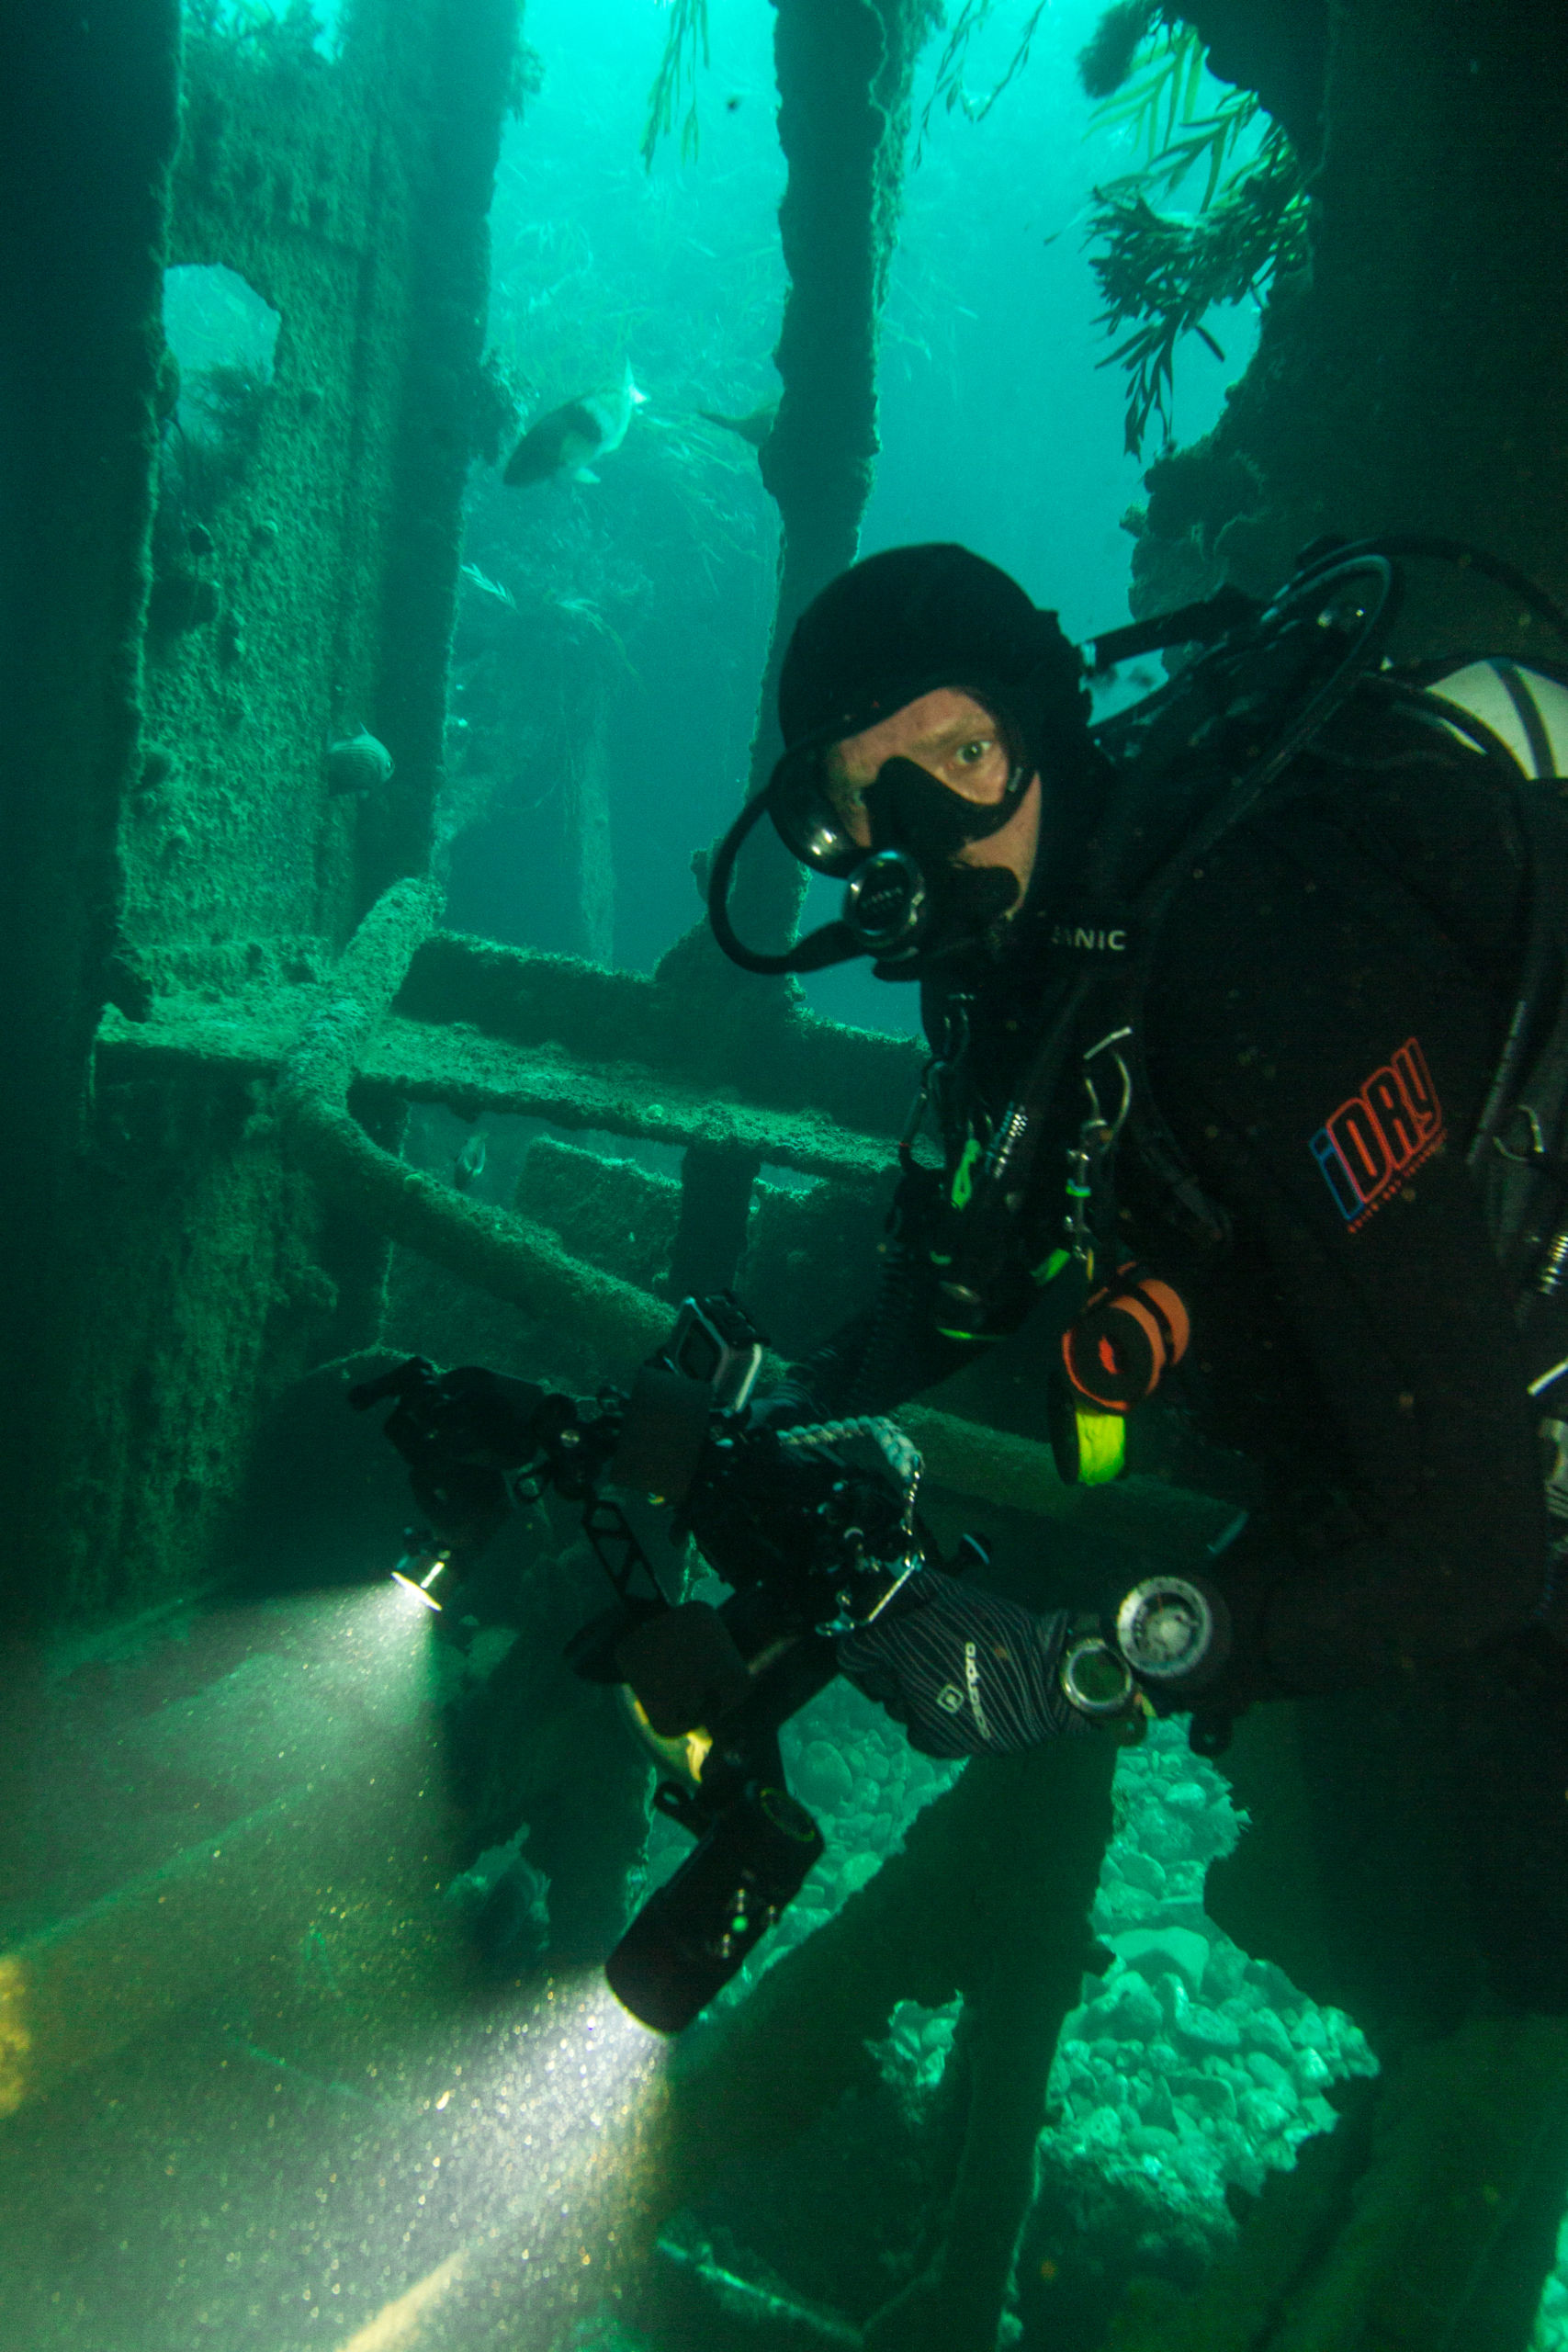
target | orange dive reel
[{"x": 1113, "y": 1355}]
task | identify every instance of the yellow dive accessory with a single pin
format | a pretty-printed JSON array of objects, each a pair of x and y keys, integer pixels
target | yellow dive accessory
[{"x": 682, "y": 1753}]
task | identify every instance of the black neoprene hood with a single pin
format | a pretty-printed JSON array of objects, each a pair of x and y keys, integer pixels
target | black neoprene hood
[{"x": 908, "y": 621}]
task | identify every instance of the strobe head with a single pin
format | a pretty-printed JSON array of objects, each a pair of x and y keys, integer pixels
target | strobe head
[{"x": 693, "y": 1935}]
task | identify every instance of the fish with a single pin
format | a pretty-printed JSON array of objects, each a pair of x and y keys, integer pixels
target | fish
[
  {"x": 754, "y": 427},
  {"x": 469, "y": 1162},
  {"x": 357, "y": 764},
  {"x": 564, "y": 439}
]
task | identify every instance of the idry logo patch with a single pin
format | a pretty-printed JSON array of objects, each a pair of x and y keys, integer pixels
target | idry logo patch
[{"x": 1368, "y": 1148}]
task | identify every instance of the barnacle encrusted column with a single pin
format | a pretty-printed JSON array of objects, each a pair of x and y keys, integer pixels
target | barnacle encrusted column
[
  {"x": 1415, "y": 377},
  {"x": 233, "y": 572},
  {"x": 88, "y": 121},
  {"x": 1278, "y": 49},
  {"x": 352, "y": 193},
  {"x": 844, "y": 70},
  {"x": 460, "y": 73}
]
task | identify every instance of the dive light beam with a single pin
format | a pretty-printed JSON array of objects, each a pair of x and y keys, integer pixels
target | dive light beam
[{"x": 543, "y": 2163}]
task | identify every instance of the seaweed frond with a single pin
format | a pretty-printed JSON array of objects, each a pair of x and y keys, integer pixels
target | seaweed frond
[
  {"x": 1163, "y": 274},
  {"x": 230, "y": 399},
  {"x": 674, "y": 90},
  {"x": 1159, "y": 107},
  {"x": 949, "y": 89}
]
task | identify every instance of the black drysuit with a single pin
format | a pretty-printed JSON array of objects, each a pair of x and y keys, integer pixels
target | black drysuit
[{"x": 1323, "y": 1015}]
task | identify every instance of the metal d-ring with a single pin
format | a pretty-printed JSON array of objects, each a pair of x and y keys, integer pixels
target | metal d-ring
[
  {"x": 1110, "y": 1128},
  {"x": 1538, "y": 1150}
]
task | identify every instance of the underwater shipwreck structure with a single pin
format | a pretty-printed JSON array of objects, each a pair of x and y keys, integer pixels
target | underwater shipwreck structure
[{"x": 224, "y": 980}]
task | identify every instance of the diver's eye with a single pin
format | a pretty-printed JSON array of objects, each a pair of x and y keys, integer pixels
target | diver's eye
[{"x": 969, "y": 755}]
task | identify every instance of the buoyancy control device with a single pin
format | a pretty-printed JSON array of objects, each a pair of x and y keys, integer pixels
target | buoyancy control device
[{"x": 1232, "y": 727}]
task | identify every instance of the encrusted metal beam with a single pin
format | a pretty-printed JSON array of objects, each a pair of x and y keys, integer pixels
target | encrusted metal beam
[
  {"x": 474, "y": 1073},
  {"x": 489, "y": 1028},
  {"x": 698, "y": 1021}
]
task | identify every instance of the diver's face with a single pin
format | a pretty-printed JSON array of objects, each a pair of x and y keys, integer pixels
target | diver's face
[{"x": 956, "y": 740}]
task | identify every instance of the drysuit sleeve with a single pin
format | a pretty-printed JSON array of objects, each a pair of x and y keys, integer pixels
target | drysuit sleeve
[{"x": 1320, "y": 1051}]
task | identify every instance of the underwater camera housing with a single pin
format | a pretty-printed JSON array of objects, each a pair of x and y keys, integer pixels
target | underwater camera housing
[{"x": 812, "y": 1529}]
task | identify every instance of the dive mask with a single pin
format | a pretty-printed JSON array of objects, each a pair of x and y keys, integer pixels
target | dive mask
[{"x": 906, "y": 900}]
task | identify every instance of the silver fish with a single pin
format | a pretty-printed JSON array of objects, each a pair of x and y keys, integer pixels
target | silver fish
[
  {"x": 470, "y": 1163},
  {"x": 357, "y": 764},
  {"x": 564, "y": 439}
]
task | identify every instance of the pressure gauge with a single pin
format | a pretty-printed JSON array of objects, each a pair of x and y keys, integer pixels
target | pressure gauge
[{"x": 1166, "y": 1629}]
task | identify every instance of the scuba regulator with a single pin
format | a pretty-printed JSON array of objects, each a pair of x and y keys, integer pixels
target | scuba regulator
[{"x": 905, "y": 898}]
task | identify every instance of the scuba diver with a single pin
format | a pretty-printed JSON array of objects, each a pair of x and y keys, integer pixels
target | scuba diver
[{"x": 1248, "y": 1063}]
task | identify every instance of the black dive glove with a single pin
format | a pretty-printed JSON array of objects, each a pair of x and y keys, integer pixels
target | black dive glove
[
  {"x": 970, "y": 1674},
  {"x": 966, "y": 1672}
]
